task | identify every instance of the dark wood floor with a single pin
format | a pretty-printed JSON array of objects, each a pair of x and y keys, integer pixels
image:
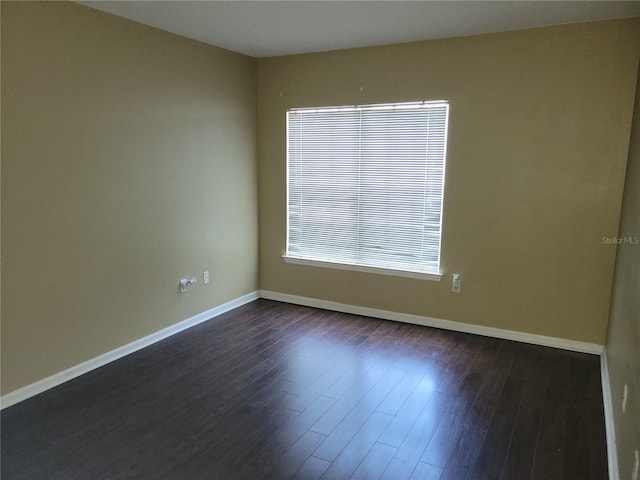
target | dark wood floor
[{"x": 278, "y": 391}]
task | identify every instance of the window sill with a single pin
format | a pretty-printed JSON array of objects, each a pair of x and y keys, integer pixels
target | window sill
[{"x": 435, "y": 277}]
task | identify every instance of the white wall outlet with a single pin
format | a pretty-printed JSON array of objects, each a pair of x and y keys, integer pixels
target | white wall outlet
[
  {"x": 625, "y": 395},
  {"x": 205, "y": 277},
  {"x": 636, "y": 465},
  {"x": 455, "y": 286}
]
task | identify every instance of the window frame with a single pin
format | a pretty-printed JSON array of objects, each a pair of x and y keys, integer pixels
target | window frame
[{"x": 434, "y": 275}]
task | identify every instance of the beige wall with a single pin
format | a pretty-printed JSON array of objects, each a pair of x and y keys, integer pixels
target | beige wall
[
  {"x": 538, "y": 139},
  {"x": 128, "y": 162},
  {"x": 623, "y": 340}
]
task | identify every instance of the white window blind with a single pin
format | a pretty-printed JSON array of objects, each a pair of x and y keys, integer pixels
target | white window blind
[{"x": 365, "y": 185}]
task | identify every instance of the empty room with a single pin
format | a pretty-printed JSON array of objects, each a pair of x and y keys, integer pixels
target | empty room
[{"x": 320, "y": 240}]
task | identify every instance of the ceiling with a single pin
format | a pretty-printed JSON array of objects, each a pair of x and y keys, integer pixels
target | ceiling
[{"x": 270, "y": 28}]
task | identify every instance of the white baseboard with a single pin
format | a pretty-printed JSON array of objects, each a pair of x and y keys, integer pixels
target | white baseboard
[
  {"x": 56, "y": 379},
  {"x": 612, "y": 450},
  {"x": 561, "y": 343}
]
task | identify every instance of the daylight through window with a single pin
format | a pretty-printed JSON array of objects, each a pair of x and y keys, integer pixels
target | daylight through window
[{"x": 365, "y": 185}]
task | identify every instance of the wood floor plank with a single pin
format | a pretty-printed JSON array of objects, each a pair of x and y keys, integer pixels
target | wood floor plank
[
  {"x": 425, "y": 471},
  {"x": 404, "y": 419},
  {"x": 412, "y": 447},
  {"x": 358, "y": 416},
  {"x": 576, "y": 461},
  {"x": 597, "y": 437},
  {"x": 265, "y": 390},
  {"x": 492, "y": 456},
  {"x": 442, "y": 445},
  {"x": 476, "y": 420},
  {"x": 308, "y": 417},
  {"x": 401, "y": 391},
  {"x": 312, "y": 469},
  {"x": 520, "y": 455},
  {"x": 547, "y": 464},
  {"x": 346, "y": 381},
  {"x": 375, "y": 463},
  {"x": 295, "y": 457},
  {"x": 358, "y": 447},
  {"x": 340, "y": 368},
  {"x": 332, "y": 418}
]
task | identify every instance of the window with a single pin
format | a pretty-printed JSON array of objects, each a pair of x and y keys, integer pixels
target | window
[{"x": 365, "y": 186}]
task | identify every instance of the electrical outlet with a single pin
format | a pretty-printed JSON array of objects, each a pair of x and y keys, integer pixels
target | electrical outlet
[
  {"x": 205, "y": 277},
  {"x": 625, "y": 395},
  {"x": 636, "y": 465},
  {"x": 455, "y": 285}
]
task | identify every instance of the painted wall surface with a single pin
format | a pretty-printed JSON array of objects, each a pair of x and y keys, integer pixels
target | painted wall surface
[
  {"x": 538, "y": 140},
  {"x": 128, "y": 162},
  {"x": 623, "y": 340}
]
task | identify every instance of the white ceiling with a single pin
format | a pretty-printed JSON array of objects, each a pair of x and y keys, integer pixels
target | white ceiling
[{"x": 269, "y": 28}]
